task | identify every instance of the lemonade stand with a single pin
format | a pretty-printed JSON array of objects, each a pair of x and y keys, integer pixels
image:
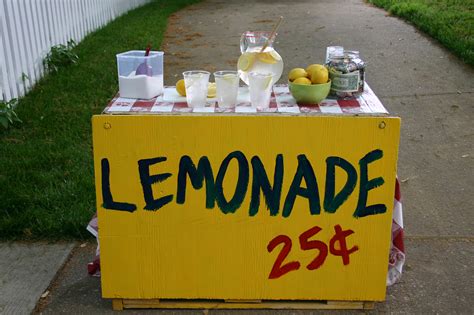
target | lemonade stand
[{"x": 240, "y": 206}]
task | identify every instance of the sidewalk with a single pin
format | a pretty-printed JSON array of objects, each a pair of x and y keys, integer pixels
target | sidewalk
[
  {"x": 429, "y": 88},
  {"x": 26, "y": 270}
]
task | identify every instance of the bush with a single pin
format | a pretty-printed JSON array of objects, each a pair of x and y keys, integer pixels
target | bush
[
  {"x": 60, "y": 56},
  {"x": 8, "y": 115}
]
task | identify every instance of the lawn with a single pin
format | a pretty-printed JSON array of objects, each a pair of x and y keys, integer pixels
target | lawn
[
  {"x": 451, "y": 22},
  {"x": 46, "y": 168}
]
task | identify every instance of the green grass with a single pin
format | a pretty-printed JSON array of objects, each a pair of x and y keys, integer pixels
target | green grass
[
  {"x": 451, "y": 22},
  {"x": 46, "y": 164}
]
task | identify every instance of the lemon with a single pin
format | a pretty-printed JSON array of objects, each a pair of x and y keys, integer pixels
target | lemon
[
  {"x": 311, "y": 68},
  {"x": 302, "y": 80},
  {"x": 319, "y": 75},
  {"x": 275, "y": 55},
  {"x": 211, "y": 90},
  {"x": 245, "y": 61},
  {"x": 296, "y": 73},
  {"x": 180, "y": 88},
  {"x": 270, "y": 57}
]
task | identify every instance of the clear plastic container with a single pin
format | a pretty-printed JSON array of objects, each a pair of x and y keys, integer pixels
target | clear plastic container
[{"x": 140, "y": 76}]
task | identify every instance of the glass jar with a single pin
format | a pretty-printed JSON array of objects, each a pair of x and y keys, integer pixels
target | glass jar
[{"x": 347, "y": 73}]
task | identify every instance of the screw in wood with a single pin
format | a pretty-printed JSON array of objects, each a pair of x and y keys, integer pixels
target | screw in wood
[{"x": 382, "y": 125}]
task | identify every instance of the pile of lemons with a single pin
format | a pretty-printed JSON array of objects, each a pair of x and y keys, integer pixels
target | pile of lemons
[{"x": 313, "y": 74}]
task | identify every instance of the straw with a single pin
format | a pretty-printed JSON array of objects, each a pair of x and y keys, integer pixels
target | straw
[
  {"x": 270, "y": 38},
  {"x": 147, "y": 52}
]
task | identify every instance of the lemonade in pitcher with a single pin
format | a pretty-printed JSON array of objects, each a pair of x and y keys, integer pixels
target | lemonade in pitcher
[{"x": 254, "y": 59}]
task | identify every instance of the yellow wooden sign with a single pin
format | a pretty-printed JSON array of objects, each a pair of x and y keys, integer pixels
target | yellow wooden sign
[{"x": 239, "y": 207}]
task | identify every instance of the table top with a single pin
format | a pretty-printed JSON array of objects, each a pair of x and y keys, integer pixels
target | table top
[{"x": 281, "y": 102}]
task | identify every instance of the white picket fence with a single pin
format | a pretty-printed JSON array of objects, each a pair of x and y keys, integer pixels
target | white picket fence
[{"x": 29, "y": 28}]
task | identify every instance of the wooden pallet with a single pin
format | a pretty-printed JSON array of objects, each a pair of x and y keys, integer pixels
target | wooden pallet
[{"x": 120, "y": 304}]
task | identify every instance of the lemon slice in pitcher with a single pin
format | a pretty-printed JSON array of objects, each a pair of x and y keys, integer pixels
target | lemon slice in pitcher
[
  {"x": 245, "y": 61},
  {"x": 270, "y": 57}
]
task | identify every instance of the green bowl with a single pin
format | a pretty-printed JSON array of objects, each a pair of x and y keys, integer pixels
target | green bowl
[{"x": 309, "y": 94}]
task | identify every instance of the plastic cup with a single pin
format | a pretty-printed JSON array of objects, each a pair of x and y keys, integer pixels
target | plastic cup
[
  {"x": 196, "y": 82},
  {"x": 227, "y": 83},
  {"x": 260, "y": 85}
]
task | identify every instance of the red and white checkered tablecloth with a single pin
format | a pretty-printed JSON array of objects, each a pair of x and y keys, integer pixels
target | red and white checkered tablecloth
[{"x": 281, "y": 102}]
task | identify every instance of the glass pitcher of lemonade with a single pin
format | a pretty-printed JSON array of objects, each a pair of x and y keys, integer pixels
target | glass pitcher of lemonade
[{"x": 253, "y": 59}]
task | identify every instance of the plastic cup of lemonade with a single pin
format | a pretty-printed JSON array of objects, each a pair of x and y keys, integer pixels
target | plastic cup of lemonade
[
  {"x": 196, "y": 82},
  {"x": 227, "y": 83},
  {"x": 260, "y": 85}
]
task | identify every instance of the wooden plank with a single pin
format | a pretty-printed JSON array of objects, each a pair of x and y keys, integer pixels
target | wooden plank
[
  {"x": 77, "y": 20},
  {"x": 10, "y": 62},
  {"x": 102, "y": 13},
  {"x": 68, "y": 22},
  {"x": 38, "y": 22},
  {"x": 50, "y": 25},
  {"x": 55, "y": 37},
  {"x": 63, "y": 22},
  {"x": 82, "y": 19},
  {"x": 29, "y": 44},
  {"x": 369, "y": 305},
  {"x": 95, "y": 14},
  {"x": 18, "y": 23},
  {"x": 90, "y": 21},
  {"x": 2, "y": 72},
  {"x": 73, "y": 33},
  {"x": 7, "y": 92},
  {"x": 47, "y": 25},
  {"x": 242, "y": 301},
  {"x": 16, "y": 66},
  {"x": 117, "y": 304},
  {"x": 221, "y": 304}
]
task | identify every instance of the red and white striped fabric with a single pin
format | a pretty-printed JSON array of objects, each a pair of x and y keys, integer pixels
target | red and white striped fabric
[
  {"x": 397, "y": 246},
  {"x": 93, "y": 268}
]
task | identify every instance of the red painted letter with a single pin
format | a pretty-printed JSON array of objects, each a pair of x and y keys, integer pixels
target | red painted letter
[
  {"x": 340, "y": 237},
  {"x": 320, "y": 246},
  {"x": 278, "y": 269}
]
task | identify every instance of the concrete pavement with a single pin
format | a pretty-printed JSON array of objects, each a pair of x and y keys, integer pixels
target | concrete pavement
[
  {"x": 26, "y": 270},
  {"x": 415, "y": 78}
]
